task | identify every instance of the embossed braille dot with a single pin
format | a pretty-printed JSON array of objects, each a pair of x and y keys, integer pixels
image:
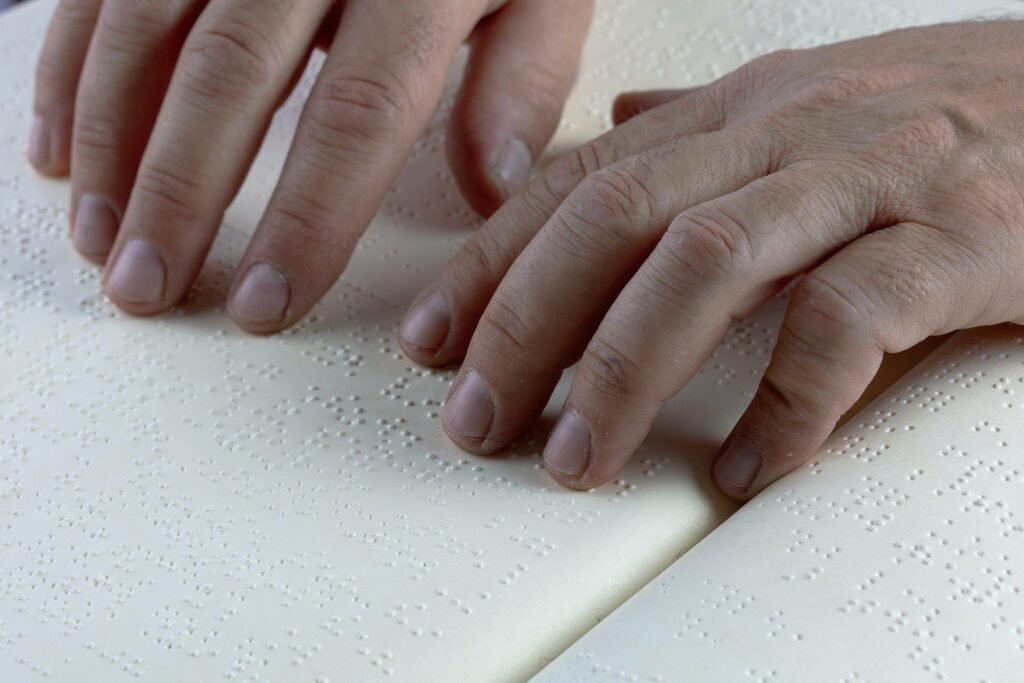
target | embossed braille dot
[{"x": 178, "y": 496}]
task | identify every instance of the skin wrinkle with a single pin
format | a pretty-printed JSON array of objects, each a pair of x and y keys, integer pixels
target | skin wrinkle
[
  {"x": 609, "y": 371},
  {"x": 888, "y": 167},
  {"x": 864, "y": 140},
  {"x": 150, "y": 64}
]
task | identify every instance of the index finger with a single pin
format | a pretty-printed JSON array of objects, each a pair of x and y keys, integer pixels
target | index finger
[{"x": 377, "y": 90}]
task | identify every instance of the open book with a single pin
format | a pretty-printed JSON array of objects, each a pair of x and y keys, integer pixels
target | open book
[{"x": 182, "y": 502}]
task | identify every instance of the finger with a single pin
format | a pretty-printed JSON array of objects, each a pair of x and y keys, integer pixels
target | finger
[
  {"x": 440, "y": 323},
  {"x": 378, "y": 87},
  {"x": 57, "y": 74},
  {"x": 554, "y": 295},
  {"x": 883, "y": 293},
  {"x": 123, "y": 83},
  {"x": 714, "y": 264},
  {"x": 630, "y": 104},
  {"x": 234, "y": 65},
  {"x": 522, "y": 66}
]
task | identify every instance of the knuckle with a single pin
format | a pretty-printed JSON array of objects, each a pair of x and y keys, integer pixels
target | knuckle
[
  {"x": 130, "y": 25},
  {"x": 77, "y": 12},
  {"x": 369, "y": 105},
  {"x": 608, "y": 210},
  {"x": 570, "y": 169},
  {"x": 75, "y": 17},
  {"x": 230, "y": 59},
  {"x": 427, "y": 34},
  {"x": 624, "y": 107},
  {"x": 822, "y": 310},
  {"x": 303, "y": 225},
  {"x": 752, "y": 76},
  {"x": 843, "y": 85},
  {"x": 707, "y": 241},
  {"x": 772, "y": 60},
  {"x": 95, "y": 136},
  {"x": 616, "y": 194},
  {"x": 985, "y": 193},
  {"x": 789, "y": 399},
  {"x": 159, "y": 185},
  {"x": 544, "y": 85},
  {"x": 51, "y": 70},
  {"x": 476, "y": 256},
  {"x": 661, "y": 280},
  {"x": 504, "y": 327},
  {"x": 607, "y": 371},
  {"x": 928, "y": 135}
]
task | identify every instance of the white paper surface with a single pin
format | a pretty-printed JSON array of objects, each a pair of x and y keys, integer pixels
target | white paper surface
[
  {"x": 180, "y": 501},
  {"x": 896, "y": 557}
]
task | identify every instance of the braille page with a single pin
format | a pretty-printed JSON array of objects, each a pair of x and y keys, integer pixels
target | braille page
[
  {"x": 895, "y": 557},
  {"x": 181, "y": 501}
]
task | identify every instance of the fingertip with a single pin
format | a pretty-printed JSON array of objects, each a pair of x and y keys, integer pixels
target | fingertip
[
  {"x": 736, "y": 467},
  {"x": 628, "y": 105},
  {"x": 488, "y": 172},
  {"x": 430, "y": 358},
  {"x": 469, "y": 414},
  {"x": 431, "y": 333},
  {"x": 259, "y": 302},
  {"x": 95, "y": 227},
  {"x": 470, "y": 444},
  {"x": 567, "y": 453},
  {"x": 253, "y": 328},
  {"x": 572, "y": 483},
  {"x": 98, "y": 259},
  {"x": 49, "y": 147},
  {"x": 509, "y": 168},
  {"x": 136, "y": 280},
  {"x": 139, "y": 310},
  {"x": 623, "y": 108},
  {"x": 425, "y": 326},
  {"x": 521, "y": 68},
  {"x": 574, "y": 458},
  {"x": 738, "y": 493}
]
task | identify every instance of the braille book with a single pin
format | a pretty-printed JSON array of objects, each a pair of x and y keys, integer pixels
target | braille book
[{"x": 180, "y": 501}]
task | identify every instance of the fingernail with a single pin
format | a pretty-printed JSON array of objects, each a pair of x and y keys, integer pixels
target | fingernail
[
  {"x": 568, "y": 449},
  {"x": 138, "y": 274},
  {"x": 262, "y": 296},
  {"x": 95, "y": 225},
  {"x": 426, "y": 324},
  {"x": 39, "y": 143},
  {"x": 470, "y": 408},
  {"x": 511, "y": 166},
  {"x": 739, "y": 464}
]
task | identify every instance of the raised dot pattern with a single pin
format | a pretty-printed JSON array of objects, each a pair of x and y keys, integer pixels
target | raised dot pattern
[
  {"x": 899, "y": 566},
  {"x": 180, "y": 501}
]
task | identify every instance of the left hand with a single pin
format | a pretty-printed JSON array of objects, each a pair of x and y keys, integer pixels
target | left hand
[
  {"x": 157, "y": 109},
  {"x": 889, "y": 171}
]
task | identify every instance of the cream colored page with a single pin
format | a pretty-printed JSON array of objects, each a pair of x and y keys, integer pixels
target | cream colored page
[
  {"x": 180, "y": 501},
  {"x": 895, "y": 557}
]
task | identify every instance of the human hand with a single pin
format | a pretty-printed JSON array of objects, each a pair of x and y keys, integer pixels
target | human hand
[
  {"x": 157, "y": 108},
  {"x": 887, "y": 170}
]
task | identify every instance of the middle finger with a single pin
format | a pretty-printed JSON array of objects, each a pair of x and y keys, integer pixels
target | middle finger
[
  {"x": 234, "y": 65},
  {"x": 551, "y": 300},
  {"x": 440, "y": 323}
]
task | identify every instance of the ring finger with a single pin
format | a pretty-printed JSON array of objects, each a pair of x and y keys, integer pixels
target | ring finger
[
  {"x": 716, "y": 262},
  {"x": 123, "y": 82},
  {"x": 554, "y": 295}
]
